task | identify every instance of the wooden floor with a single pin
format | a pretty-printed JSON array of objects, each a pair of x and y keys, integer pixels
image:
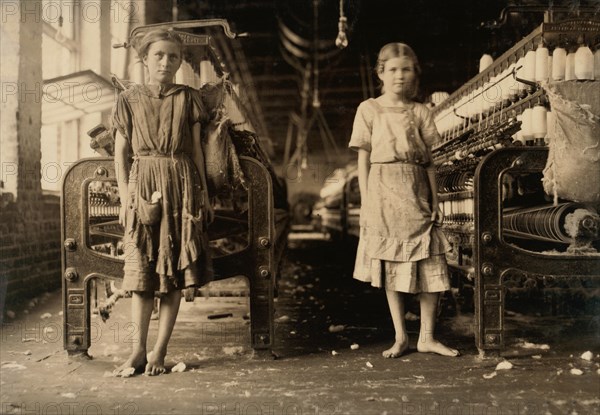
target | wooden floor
[{"x": 330, "y": 332}]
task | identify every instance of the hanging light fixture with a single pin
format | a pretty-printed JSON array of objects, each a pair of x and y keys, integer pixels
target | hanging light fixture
[
  {"x": 59, "y": 35},
  {"x": 342, "y": 39}
]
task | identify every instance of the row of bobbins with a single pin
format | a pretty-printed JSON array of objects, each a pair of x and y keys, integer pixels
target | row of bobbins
[
  {"x": 536, "y": 123},
  {"x": 564, "y": 64}
]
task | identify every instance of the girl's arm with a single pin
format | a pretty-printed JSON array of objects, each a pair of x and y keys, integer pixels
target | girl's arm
[
  {"x": 364, "y": 166},
  {"x": 430, "y": 133},
  {"x": 198, "y": 156},
  {"x": 436, "y": 214},
  {"x": 122, "y": 169}
]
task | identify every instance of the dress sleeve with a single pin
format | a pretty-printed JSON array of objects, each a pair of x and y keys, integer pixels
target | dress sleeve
[
  {"x": 361, "y": 129},
  {"x": 121, "y": 118},
  {"x": 428, "y": 129}
]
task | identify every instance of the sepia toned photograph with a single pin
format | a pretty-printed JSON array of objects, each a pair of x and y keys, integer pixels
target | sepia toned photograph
[{"x": 300, "y": 207}]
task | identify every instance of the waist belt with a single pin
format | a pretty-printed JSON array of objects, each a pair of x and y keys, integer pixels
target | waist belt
[
  {"x": 414, "y": 163},
  {"x": 152, "y": 155}
]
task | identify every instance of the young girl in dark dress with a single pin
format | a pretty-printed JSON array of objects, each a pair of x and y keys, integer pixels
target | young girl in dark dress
[{"x": 165, "y": 206}]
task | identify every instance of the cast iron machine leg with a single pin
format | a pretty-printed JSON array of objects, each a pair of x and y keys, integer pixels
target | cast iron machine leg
[
  {"x": 496, "y": 259},
  {"x": 81, "y": 265}
]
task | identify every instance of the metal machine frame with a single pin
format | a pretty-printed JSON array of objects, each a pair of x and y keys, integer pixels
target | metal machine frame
[
  {"x": 81, "y": 265},
  {"x": 495, "y": 259}
]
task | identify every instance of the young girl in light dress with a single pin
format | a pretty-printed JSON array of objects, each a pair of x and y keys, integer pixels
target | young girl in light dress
[
  {"x": 401, "y": 246},
  {"x": 165, "y": 206}
]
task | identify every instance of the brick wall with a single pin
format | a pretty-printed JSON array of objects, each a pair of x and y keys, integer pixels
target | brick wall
[
  {"x": 29, "y": 249},
  {"x": 29, "y": 226}
]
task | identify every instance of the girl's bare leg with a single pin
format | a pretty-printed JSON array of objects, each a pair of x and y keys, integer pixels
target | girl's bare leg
[
  {"x": 396, "y": 304},
  {"x": 141, "y": 309},
  {"x": 155, "y": 309},
  {"x": 427, "y": 343},
  {"x": 169, "y": 307}
]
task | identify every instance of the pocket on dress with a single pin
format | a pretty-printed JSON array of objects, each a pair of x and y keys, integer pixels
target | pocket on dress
[{"x": 149, "y": 213}]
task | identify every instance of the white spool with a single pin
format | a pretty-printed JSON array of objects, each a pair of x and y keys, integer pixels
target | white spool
[
  {"x": 520, "y": 73},
  {"x": 538, "y": 121},
  {"x": 541, "y": 63},
  {"x": 529, "y": 68},
  {"x": 559, "y": 61},
  {"x": 526, "y": 131},
  {"x": 584, "y": 63},
  {"x": 518, "y": 136},
  {"x": 485, "y": 61}
]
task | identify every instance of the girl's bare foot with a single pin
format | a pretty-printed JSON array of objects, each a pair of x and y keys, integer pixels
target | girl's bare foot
[
  {"x": 396, "y": 350},
  {"x": 156, "y": 364},
  {"x": 134, "y": 364},
  {"x": 434, "y": 346}
]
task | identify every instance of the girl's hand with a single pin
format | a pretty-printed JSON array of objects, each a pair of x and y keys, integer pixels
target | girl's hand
[
  {"x": 122, "y": 212},
  {"x": 437, "y": 217}
]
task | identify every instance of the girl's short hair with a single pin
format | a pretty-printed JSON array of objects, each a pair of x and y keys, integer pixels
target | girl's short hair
[
  {"x": 398, "y": 50},
  {"x": 143, "y": 42}
]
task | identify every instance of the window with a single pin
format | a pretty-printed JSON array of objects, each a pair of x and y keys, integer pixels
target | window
[
  {"x": 59, "y": 57},
  {"x": 76, "y": 95},
  {"x": 121, "y": 18}
]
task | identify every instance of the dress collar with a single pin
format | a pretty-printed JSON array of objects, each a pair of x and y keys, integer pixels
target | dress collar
[
  {"x": 406, "y": 107},
  {"x": 160, "y": 91}
]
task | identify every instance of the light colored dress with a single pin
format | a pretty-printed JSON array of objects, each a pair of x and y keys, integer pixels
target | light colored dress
[
  {"x": 400, "y": 248},
  {"x": 165, "y": 245}
]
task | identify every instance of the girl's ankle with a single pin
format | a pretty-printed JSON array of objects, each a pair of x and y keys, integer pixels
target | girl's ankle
[
  {"x": 137, "y": 348},
  {"x": 159, "y": 352}
]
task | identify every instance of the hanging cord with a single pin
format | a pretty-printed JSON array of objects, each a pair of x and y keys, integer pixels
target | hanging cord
[
  {"x": 342, "y": 39},
  {"x": 59, "y": 35},
  {"x": 175, "y": 11},
  {"x": 316, "y": 102}
]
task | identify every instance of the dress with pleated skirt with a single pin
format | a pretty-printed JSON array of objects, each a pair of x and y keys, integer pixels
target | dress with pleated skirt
[
  {"x": 165, "y": 245},
  {"x": 400, "y": 248}
]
